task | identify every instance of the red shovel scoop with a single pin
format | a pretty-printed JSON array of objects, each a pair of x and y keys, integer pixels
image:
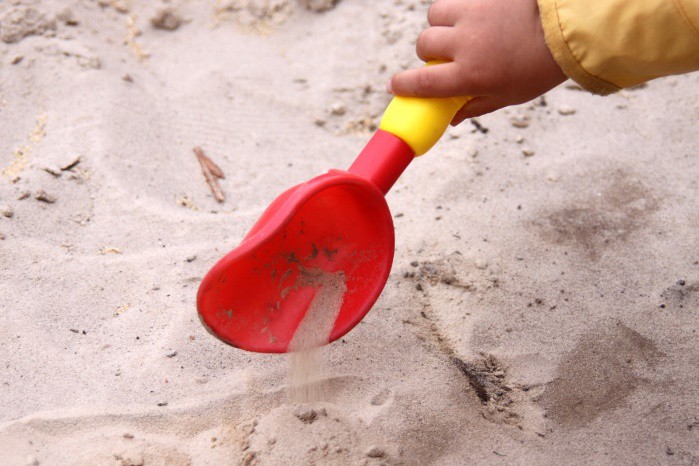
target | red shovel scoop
[{"x": 335, "y": 228}]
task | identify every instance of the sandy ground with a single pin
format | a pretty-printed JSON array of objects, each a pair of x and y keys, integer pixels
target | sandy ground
[{"x": 542, "y": 309}]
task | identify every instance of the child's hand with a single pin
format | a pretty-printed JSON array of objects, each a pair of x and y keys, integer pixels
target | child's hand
[{"x": 497, "y": 52}]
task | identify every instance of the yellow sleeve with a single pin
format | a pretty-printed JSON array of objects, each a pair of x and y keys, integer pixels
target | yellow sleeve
[{"x": 607, "y": 45}]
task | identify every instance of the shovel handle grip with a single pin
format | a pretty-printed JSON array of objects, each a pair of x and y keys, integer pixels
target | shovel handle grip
[
  {"x": 410, "y": 127},
  {"x": 420, "y": 121}
]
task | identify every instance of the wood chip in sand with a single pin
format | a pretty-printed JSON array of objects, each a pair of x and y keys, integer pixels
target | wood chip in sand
[{"x": 212, "y": 173}]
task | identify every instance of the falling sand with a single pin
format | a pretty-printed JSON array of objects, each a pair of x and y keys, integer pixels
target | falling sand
[{"x": 313, "y": 332}]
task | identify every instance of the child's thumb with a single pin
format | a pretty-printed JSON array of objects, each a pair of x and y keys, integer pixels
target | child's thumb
[{"x": 477, "y": 107}]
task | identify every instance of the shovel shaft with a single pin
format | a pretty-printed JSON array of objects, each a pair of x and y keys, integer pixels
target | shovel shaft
[
  {"x": 383, "y": 160},
  {"x": 409, "y": 127}
]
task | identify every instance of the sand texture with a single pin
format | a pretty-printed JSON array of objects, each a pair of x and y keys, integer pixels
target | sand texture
[{"x": 544, "y": 301}]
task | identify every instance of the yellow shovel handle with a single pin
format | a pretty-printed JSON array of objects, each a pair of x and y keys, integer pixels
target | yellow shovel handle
[{"x": 420, "y": 122}]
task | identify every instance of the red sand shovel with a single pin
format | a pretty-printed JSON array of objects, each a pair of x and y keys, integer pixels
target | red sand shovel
[{"x": 256, "y": 296}]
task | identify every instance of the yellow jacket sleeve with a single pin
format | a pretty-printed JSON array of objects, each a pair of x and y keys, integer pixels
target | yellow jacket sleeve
[{"x": 607, "y": 45}]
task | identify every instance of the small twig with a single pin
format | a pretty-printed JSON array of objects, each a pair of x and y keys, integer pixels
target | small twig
[
  {"x": 215, "y": 169},
  {"x": 211, "y": 173}
]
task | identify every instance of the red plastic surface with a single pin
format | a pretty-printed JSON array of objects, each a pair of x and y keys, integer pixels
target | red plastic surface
[
  {"x": 336, "y": 222},
  {"x": 254, "y": 298},
  {"x": 383, "y": 160}
]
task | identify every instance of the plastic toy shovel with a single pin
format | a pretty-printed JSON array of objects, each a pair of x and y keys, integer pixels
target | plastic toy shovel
[{"x": 335, "y": 225}]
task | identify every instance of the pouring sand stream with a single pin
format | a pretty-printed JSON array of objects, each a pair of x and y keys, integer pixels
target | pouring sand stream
[{"x": 306, "y": 364}]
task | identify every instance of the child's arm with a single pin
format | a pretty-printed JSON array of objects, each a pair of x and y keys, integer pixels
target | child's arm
[{"x": 499, "y": 54}]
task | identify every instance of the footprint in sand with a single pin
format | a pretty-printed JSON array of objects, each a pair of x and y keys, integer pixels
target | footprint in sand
[{"x": 603, "y": 370}]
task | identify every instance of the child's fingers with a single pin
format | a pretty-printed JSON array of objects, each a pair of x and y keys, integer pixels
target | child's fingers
[
  {"x": 435, "y": 43},
  {"x": 428, "y": 81},
  {"x": 444, "y": 12},
  {"x": 477, "y": 107}
]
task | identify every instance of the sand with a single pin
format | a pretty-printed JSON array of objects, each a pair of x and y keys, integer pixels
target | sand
[
  {"x": 306, "y": 361},
  {"x": 543, "y": 304}
]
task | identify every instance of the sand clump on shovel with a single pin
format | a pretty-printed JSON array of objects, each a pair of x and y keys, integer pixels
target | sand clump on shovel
[{"x": 313, "y": 332}]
